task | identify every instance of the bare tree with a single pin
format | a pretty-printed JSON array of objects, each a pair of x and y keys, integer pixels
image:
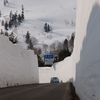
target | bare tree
[
  {"x": 45, "y": 47},
  {"x": 34, "y": 41},
  {"x": 56, "y": 47},
  {"x": 30, "y": 45},
  {"x": 37, "y": 51},
  {"x": 59, "y": 46},
  {"x": 53, "y": 47}
]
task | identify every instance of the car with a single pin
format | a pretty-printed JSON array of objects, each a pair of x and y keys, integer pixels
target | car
[{"x": 54, "y": 80}]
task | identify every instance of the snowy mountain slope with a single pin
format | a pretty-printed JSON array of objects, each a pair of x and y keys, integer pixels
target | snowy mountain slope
[
  {"x": 17, "y": 66},
  {"x": 57, "y": 13}
]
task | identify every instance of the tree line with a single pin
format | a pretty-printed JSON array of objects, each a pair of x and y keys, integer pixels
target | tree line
[
  {"x": 31, "y": 42},
  {"x": 14, "y": 20},
  {"x": 60, "y": 50},
  {"x": 47, "y": 27}
]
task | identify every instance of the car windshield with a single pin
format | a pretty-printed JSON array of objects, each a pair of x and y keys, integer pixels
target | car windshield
[{"x": 55, "y": 78}]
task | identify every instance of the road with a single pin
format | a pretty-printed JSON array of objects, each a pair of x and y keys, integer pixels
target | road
[{"x": 47, "y": 91}]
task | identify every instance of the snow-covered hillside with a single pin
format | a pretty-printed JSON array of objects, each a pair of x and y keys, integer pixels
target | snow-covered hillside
[{"x": 60, "y": 15}]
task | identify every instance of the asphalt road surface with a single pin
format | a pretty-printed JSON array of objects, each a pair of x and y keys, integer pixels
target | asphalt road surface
[{"x": 49, "y": 91}]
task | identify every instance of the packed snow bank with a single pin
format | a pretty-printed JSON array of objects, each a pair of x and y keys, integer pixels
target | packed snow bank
[
  {"x": 87, "y": 50},
  {"x": 62, "y": 70},
  {"x": 83, "y": 67},
  {"x": 17, "y": 66}
]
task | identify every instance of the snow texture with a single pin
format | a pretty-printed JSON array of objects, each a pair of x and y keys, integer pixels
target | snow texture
[
  {"x": 87, "y": 50},
  {"x": 17, "y": 65},
  {"x": 60, "y": 15},
  {"x": 83, "y": 67}
]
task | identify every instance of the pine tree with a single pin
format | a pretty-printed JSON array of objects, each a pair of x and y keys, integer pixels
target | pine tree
[
  {"x": 22, "y": 16},
  {"x": 10, "y": 14},
  {"x": 63, "y": 54},
  {"x": 15, "y": 16},
  {"x": 1, "y": 32},
  {"x": 15, "y": 23},
  {"x": 40, "y": 61},
  {"x": 73, "y": 36},
  {"x": 65, "y": 43},
  {"x": 10, "y": 24},
  {"x": 22, "y": 8},
  {"x": 6, "y": 26},
  {"x": 19, "y": 18},
  {"x": 46, "y": 27},
  {"x": 2, "y": 23},
  {"x": 4, "y": 3},
  {"x": 27, "y": 37}
]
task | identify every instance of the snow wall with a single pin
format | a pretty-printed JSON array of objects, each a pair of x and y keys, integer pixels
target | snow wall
[
  {"x": 83, "y": 67},
  {"x": 87, "y": 50},
  {"x": 63, "y": 70},
  {"x": 17, "y": 65}
]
